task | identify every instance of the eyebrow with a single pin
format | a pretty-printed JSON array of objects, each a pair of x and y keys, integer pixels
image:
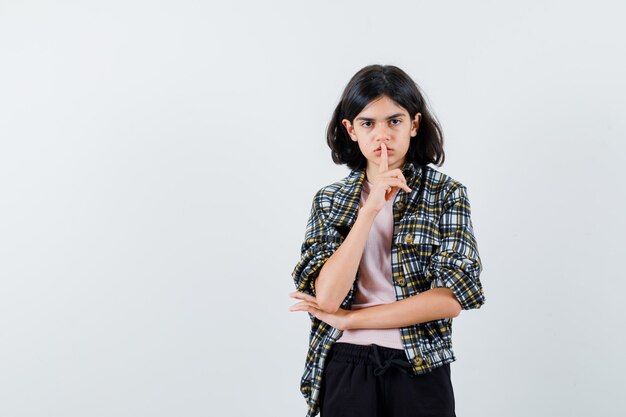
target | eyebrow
[{"x": 369, "y": 119}]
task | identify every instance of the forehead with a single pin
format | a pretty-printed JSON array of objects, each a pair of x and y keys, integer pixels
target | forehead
[{"x": 383, "y": 107}]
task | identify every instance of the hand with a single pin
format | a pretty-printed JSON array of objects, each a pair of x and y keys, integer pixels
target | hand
[
  {"x": 339, "y": 320},
  {"x": 385, "y": 184}
]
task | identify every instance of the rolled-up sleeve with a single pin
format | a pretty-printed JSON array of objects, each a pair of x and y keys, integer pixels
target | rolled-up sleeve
[
  {"x": 456, "y": 264},
  {"x": 320, "y": 242}
]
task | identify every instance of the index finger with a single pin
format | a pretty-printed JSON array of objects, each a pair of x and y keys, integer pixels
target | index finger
[{"x": 384, "y": 163}]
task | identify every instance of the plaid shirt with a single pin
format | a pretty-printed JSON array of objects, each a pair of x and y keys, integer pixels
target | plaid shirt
[{"x": 433, "y": 246}]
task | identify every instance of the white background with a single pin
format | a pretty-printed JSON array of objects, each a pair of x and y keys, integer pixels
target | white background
[{"x": 158, "y": 161}]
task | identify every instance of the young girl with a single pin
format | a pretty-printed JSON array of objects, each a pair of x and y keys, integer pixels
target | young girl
[{"x": 388, "y": 259}]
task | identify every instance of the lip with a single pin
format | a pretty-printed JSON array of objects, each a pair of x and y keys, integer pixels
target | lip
[{"x": 377, "y": 151}]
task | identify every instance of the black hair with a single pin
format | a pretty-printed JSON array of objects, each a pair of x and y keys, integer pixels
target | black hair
[{"x": 373, "y": 82}]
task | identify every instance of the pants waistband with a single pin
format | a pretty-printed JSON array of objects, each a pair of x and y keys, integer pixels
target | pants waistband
[{"x": 381, "y": 357}]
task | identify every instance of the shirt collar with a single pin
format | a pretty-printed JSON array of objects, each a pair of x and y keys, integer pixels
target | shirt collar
[{"x": 346, "y": 199}]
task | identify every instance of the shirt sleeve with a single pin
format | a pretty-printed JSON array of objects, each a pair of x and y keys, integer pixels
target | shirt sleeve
[
  {"x": 320, "y": 242},
  {"x": 457, "y": 264}
]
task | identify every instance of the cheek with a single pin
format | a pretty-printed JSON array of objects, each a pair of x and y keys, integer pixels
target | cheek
[
  {"x": 403, "y": 148},
  {"x": 364, "y": 144}
]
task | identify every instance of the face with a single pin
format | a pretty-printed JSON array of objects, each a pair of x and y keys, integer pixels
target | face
[{"x": 383, "y": 120}]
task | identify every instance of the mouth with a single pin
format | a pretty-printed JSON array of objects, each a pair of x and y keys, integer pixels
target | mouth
[{"x": 379, "y": 149}]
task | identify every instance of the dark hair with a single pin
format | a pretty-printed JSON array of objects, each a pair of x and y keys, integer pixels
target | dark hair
[{"x": 373, "y": 82}]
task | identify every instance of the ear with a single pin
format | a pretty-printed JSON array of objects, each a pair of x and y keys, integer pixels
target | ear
[
  {"x": 346, "y": 123},
  {"x": 416, "y": 123}
]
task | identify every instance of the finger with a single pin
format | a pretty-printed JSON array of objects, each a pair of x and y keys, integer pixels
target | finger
[
  {"x": 296, "y": 307},
  {"x": 402, "y": 184},
  {"x": 400, "y": 175},
  {"x": 384, "y": 163},
  {"x": 297, "y": 294},
  {"x": 304, "y": 306},
  {"x": 300, "y": 305},
  {"x": 302, "y": 296},
  {"x": 394, "y": 173},
  {"x": 396, "y": 182}
]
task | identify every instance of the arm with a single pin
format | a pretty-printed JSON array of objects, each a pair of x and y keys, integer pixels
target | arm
[
  {"x": 454, "y": 272},
  {"x": 328, "y": 264},
  {"x": 430, "y": 305},
  {"x": 337, "y": 275},
  {"x": 457, "y": 264}
]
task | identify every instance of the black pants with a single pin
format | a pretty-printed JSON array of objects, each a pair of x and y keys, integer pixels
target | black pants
[{"x": 377, "y": 381}]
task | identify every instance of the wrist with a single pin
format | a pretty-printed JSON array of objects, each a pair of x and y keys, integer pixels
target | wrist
[
  {"x": 366, "y": 212},
  {"x": 352, "y": 319}
]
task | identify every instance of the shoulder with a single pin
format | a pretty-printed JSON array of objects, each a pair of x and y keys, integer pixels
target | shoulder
[
  {"x": 443, "y": 187},
  {"x": 332, "y": 188},
  {"x": 323, "y": 197}
]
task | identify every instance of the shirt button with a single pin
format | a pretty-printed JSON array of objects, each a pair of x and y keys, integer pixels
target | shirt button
[
  {"x": 400, "y": 281},
  {"x": 418, "y": 361},
  {"x": 408, "y": 238},
  {"x": 400, "y": 205}
]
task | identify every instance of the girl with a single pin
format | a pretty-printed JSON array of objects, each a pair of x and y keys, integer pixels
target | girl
[{"x": 388, "y": 259}]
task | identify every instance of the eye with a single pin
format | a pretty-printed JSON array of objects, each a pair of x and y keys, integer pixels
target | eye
[
  {"x": 363, "y": 124},
  {"x": 396, "y": 120}
]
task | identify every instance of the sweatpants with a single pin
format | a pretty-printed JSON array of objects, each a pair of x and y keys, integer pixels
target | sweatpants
[{"x": 377, "y": 381}]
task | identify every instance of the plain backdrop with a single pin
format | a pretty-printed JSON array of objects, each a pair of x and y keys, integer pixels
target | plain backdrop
[{"x": 158, "y": 161}]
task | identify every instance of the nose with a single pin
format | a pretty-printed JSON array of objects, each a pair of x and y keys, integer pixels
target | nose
[{"x": 382, "y": 134}]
